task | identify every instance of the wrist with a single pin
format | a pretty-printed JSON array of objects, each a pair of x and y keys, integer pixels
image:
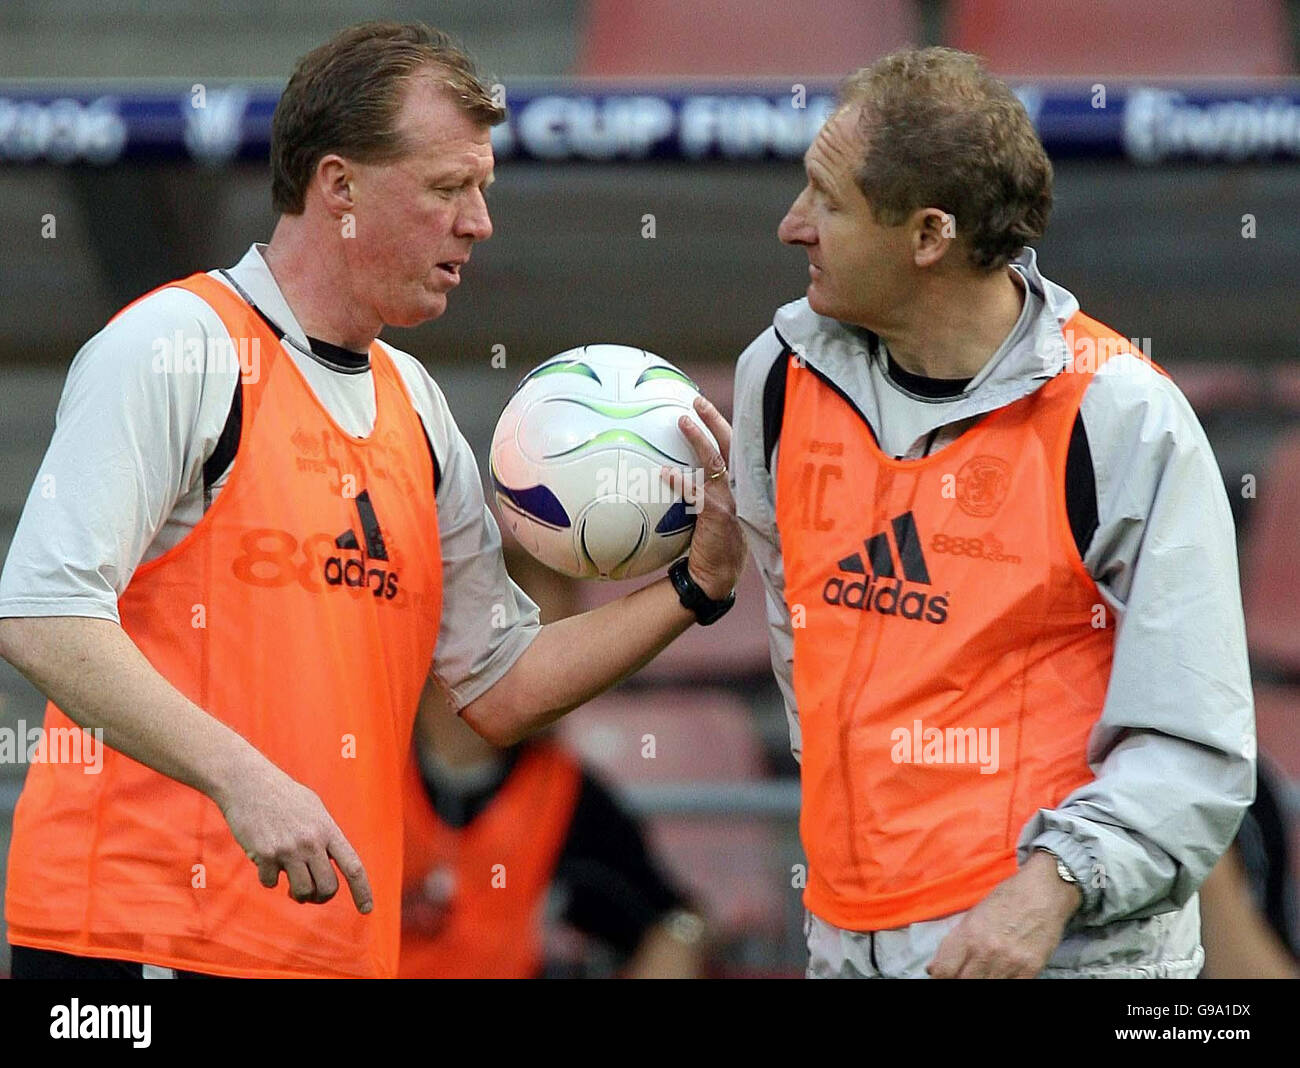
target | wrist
[
  {"x": 696, "y": 598},
  {"x": 240, "y": 765},
  {"x": 710, "y": 585},
  {"x": 1061, "y": 882}
]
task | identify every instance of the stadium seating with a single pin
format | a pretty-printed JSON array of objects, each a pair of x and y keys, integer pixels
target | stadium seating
[
  {"x": 700, "y": 736},
  {"x": 1284, "y": 388},
  {"x": 1132, "y": 38},
  {"x": 1277, "y": 714},
  {"x": 738, "y": 37},
  {"x": 608, "y": 731},
  {"x": 1215, "y": 388},
  {"x": 1271, "y": 566}
]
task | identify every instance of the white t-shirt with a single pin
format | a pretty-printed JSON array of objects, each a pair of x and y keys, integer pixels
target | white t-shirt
[{"x": 122, "y": 481}]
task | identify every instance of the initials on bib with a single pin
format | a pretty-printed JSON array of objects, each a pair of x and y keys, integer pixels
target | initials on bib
[{"x": 951, "y": 652}]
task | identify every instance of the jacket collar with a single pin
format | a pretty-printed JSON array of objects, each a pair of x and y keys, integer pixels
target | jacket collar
[{"x": 844, "y": 354}]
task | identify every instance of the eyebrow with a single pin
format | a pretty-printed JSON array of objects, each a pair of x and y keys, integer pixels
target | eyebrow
[
  {"x": 814, "y": 180},
  {"x": 461, "y": 176}
]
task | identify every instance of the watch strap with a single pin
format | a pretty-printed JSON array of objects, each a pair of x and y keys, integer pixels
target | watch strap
[{"x": 695, "y": 599}]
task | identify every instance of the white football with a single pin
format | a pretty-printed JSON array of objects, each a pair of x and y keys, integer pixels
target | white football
[{"x": 576, "y": 460}]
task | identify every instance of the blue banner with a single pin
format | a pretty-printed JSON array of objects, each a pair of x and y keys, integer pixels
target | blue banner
[{"x": 217, "y": 124}]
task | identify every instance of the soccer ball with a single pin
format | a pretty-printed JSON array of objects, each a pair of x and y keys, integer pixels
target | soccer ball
[{"x": 576, "y": 459}]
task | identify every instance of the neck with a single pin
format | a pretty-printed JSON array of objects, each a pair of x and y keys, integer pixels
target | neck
[
  {"x": 317, "y": 286},
  {"x": 954, "y": 327}
]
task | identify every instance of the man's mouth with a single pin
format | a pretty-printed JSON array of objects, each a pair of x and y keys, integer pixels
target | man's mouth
[{"x": 450, "y": 270}]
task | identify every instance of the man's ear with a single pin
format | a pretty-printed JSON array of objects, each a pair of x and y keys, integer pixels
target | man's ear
[
  {"x": 933, "y": 231},
  {"x": 334, "y": 178}
]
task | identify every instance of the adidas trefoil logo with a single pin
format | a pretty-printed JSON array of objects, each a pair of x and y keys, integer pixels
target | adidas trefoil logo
[{"x": 874, "y": 591}]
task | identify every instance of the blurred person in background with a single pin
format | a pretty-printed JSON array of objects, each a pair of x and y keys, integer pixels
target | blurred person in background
[
  {"x": 1248, "y": 903},
  {"x": 503, "y": 848},
  {"x": 1000, "y": 566},
  {"x": 265, "y": 534}
]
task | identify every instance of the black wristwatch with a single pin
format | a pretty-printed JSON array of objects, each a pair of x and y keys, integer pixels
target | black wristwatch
[{"x": 692, "y": 597}]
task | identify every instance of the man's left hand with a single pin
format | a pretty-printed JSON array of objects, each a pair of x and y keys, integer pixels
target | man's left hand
[{"x": 1013, "y": 932}]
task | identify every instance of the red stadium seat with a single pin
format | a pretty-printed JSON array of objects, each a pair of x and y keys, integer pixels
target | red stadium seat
[
  {"x": 1284, "y": 388},
  {"x": 1277, "y": 723},
  {"x": 1132, "y": 38},
  {"x": 733, "y": 647},
  {"x": 699, "y": 734},
  {"x": 738, "y": 37},
  {"x": 729, "y": 864},
  {"x": 1271, "y": 566},
  {"x": 1211, "y": 388}
]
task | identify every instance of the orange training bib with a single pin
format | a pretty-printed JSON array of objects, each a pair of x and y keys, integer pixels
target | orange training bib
[
  {"x": 951, "y": 653},
  {"x": 493, "y": 874},
  {"x": 302, "y": 610}
]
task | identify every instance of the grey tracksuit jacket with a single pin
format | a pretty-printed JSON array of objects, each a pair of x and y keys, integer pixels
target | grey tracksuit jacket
[{"x": 1174, "y": 749}]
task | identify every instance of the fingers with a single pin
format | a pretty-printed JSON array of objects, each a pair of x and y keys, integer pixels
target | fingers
[
  {"x": 268, "y": 871},
  {"x": 340, "y": 849},
  {"x": 975, "y": 954},
  {"x": 322, "y": 876},
  {"x": 710, "y": 458},
  {"x": 311, "y": 876},
  {"x": 690, "y": 485},
  {"x": 718, "y": 427},
  {"x": 949, "y": 958},
  {"x": 975, "y": 968},
  {"x": 301, "y": 887},
  {"x": 991, "y": 964},
  {"x": 307, "y": 863},
  {"x": 963, "y": 954}
]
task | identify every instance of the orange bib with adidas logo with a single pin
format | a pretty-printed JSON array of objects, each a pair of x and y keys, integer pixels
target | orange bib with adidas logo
[
  {"x": 951, "y": 652},
  {"x": 302, "y": 610}
]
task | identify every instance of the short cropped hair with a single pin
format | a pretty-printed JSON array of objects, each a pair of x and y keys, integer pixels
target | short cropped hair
[
  {"x": 940, "y": 131},
  {"x": 345, "y": 96}
]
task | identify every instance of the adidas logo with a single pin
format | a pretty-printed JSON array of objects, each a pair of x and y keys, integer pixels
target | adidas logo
[
  {"x": 875, "y": 592},
  {"x": 354, "y": 571}
]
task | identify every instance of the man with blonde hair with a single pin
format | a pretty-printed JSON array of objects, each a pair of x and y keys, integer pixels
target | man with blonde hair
[{"x": 1000, "y": 568}]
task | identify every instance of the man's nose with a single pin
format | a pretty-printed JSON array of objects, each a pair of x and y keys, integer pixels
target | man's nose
[
  {"x": 795, "y": 228},
  {"x": 474, "y": 220}
]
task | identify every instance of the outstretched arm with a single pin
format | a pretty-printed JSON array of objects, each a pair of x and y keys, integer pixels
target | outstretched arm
[{"x": 574, "y": 659}]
